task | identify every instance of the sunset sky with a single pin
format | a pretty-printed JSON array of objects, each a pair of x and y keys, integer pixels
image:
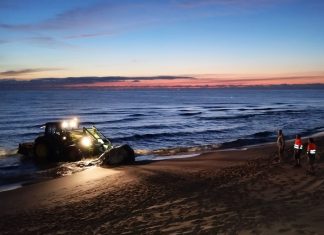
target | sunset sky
[{"x": 214, "y": 42}]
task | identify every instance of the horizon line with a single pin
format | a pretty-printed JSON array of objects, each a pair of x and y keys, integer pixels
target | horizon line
[
  {"x": 164, "y": 81},
  {"x": 277, "y": 86}
]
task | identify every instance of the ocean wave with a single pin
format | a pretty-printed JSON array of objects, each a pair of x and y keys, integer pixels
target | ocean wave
[
  {"x": 92, "y": 123},
  {"x": 21, "y": 120},
  {"x": 220, "y": 109},
  {"x": 212, "y": 106},
  {"x": 136, "y": 137},
  {"x": 318, "y": 128},
  {"x": 190, "y": 114},
  {"x": 7, "y": 152},
  {"x": 128, "y": 119},
  {"x": 228, "y": 117},
  {"x": 243, "y": 116},
  {"x": 29, "y": 134},
  {"x": 137, "y": 115},
  {"x": 6, "y": 168},
  {"x": 121, "y": 120},
  {"x": 252, "y": 139},
  {"x": 311, "y": 131},
  {"x": 177, "y": 150},
  {"x": 35, "y": 126},
  {"x": 151, "y": 127},
  {"x": 255, "y": 109},
  {"x": 241, "y": 142},
  {"x": 93, "y": 113},
  {"x": 39, "y": 122},
  {"x": 284, "y": 111},
  {"x": 263, "y": 134}
]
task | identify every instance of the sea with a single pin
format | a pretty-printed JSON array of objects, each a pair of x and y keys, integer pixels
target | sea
[{"x": 157, "y": 123}]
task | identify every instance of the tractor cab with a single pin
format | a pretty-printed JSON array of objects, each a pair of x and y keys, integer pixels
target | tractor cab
[{"x": 52, "y": 128}]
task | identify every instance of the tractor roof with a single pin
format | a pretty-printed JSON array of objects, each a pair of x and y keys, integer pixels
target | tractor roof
[
  {"x": 52, "y": 123},
  {"x": 57, "y": 124}
]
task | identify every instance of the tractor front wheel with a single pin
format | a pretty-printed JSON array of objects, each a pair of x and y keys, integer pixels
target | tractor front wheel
[{"x": 41, "y": 152}]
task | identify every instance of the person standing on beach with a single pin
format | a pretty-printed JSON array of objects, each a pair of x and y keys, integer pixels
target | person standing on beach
[
  {"x": 281, "y": 145},
  {"x": 311, "y": 152},
  {"x": 298, "y": 147}
]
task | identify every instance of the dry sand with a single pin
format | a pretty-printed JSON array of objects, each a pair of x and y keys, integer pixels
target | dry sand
[{"x": 226, "y": 192}]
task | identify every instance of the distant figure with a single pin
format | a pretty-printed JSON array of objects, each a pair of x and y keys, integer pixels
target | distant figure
[
  {"x": 311, "y": 152},
  {"x": 298, "y": 147},
  {"x": 281, "y": 145}
]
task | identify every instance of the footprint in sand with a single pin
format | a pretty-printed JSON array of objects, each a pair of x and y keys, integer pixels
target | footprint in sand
[
  {"x": 299, "y": 231},
  {"x": 254, "y": 231},
  {"x": 284, "y": 230},
  {"x": 300, "y": 226}
]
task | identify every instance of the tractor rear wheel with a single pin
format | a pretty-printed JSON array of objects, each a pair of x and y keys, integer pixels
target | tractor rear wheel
[
  {"x": 41, "y": 151},
  {"x": 73, "y": 154},
  {"x": 47, "y": 148}
]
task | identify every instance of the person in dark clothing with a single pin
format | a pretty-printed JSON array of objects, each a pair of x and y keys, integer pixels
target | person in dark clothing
[{"x": 281, "y": 145}]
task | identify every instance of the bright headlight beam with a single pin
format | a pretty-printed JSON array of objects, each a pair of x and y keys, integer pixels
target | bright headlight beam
[
  {"x": 65, "y": 124},
  {"x": 73, "y": 123},
  {"x": 70, "y": 124},
  {"x": 86, "y": 141}
]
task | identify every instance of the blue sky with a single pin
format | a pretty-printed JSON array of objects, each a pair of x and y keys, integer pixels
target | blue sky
[{"x": 172, "y": 37}]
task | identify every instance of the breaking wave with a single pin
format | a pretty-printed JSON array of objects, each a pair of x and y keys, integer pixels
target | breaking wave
[
  {"x": 190, "y": 113},
  {"x": 177, "y": 150},
  {"x": 162, "y": 135},
  {"x": 250, "y": 115},
  {"x": 7, "y": 152}
]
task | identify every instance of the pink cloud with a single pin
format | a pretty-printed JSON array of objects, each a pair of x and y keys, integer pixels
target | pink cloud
[{"x": 206, "y": 82}]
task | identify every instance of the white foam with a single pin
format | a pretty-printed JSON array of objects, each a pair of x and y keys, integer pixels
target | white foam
[
  {"x": 7, "y": 152},
  {"x": 177, "y": 151},
  {"x": 9, "y": 187},
  {"x": 319, "y": 134},
  {"x": 159, "y": 158}
]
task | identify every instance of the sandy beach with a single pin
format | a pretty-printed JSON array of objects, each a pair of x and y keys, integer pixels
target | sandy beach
[{"x": 225, "y": 192}]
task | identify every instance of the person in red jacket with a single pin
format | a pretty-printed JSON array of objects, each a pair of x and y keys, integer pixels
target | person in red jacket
[
  {"x": 311, "y": 152},
  {"x": 298, "y": 147}
]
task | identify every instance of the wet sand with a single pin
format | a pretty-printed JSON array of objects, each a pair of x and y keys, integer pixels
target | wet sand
[{"x": 225, "y": 192}]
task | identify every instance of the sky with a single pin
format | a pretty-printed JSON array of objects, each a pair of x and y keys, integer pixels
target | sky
[{"x": 213, "y": 42}]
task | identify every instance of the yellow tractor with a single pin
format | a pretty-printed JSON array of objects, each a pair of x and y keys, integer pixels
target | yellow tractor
[{"x": 65, "y": 141}]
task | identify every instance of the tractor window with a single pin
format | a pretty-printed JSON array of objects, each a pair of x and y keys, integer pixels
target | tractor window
[{"x": 51, "y": 130}]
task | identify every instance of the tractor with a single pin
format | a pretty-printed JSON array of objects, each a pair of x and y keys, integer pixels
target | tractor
[{"x": 65, "y": 141}]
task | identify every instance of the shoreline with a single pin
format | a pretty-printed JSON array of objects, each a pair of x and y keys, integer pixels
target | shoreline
[
  {"x": 239, "y": 192},
  {"x": 144, "y": 158}
]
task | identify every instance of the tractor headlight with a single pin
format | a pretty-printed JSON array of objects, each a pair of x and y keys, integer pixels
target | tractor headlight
[
  {"x": 65, "y": 124},
  {"x": 73, "y": 123},
  {"x": 86, "y": 141},
  {"x": 70, "y": 124}
]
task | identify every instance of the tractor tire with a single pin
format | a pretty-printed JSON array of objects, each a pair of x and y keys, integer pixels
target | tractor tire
[
  {"x": 120, "y": 155},
  {"x": 72, "y": 154},
  {"x": 42, "y": 151},
  {"x": 129, "y": 152},
  {"x": 46, "y": 149}
]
